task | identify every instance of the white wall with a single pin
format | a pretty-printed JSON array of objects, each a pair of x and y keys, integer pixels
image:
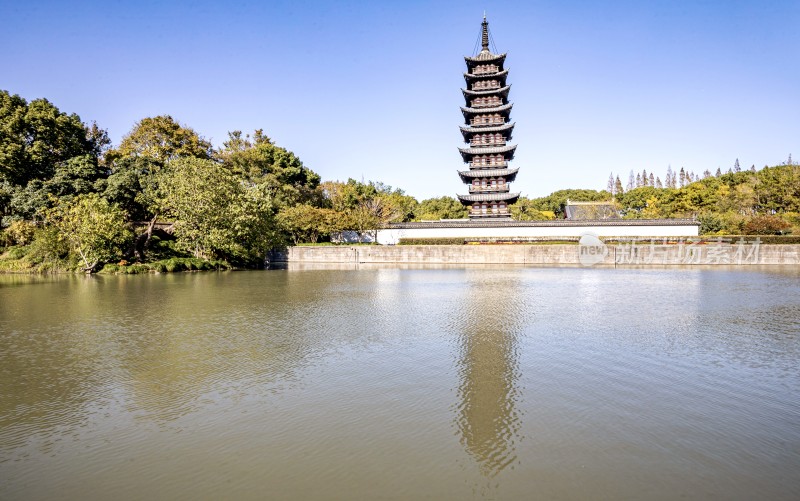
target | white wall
[{"x": 392, "y": 236}]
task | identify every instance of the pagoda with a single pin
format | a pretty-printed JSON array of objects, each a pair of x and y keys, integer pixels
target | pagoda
[{"x": 487, "y": 131}]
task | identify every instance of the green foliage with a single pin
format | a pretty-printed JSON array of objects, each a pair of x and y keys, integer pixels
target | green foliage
[
  {"x": 94, "y": 229},
  {"x": 280, "y": 171},
  {"x": 49, "y": 248},
  {"x": 130, "y": 186},
  {"x": 36, "y": 136},
  {"x": 306, "y": 223},
  {"x": 440, "y": 208},
  {"x": 527, "y": 210},
  {"x": 162, "y": 139},
  {"x": 555, "y": 201},
  {"x": 215, "y": 214},
  {"x": 18, "y": 233}
]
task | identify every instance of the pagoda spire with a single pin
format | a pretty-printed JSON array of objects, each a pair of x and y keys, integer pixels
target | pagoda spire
[{"x": 484, "y": 34}]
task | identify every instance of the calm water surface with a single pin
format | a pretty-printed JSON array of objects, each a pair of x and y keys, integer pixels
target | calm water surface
[{"x": 389, "y": 383}]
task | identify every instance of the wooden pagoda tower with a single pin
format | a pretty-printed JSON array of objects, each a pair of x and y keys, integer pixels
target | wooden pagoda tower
[{"x": 487, "y": 131}]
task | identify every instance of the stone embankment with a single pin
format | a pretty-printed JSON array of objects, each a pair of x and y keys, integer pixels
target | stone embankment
[{"x": 633, "y": 254}]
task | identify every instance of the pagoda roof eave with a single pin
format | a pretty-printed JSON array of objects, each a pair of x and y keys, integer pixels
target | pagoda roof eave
[
  {"x": 467, "y": 129},
  {"x": 479, "y": 111},
  {"x": 466, "y": 153},
  {"x": 500, "y": 91},
  {"x": 485, "y": 57},
  {"x": 488, "y": 151},
  {"x": 509, "y": 174},
  {"x": 486, "y": 76},
  {"x": 489, "y": 197}
]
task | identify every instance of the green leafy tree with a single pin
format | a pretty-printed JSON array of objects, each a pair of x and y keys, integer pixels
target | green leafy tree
[
  {"x": 95, "y": 229},
  {"x": 440, "y": 208},
  {"x": 260, "y": 161},
  {"x": 215, "y": 214},
  {"x": 527, "y": 210},
  {"x": 160, "y": 138},
  {"x": 77, "y": 176},
  {"x": 37, "y": 136},
  {"x": 306, "y": 223}
]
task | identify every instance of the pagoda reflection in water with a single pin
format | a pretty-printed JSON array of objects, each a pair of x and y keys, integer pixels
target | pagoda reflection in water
[{"x": 487, "y": 418}]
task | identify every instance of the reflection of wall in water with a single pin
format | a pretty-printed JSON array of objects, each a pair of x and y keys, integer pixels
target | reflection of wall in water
[{"x": 487, "y": 420}]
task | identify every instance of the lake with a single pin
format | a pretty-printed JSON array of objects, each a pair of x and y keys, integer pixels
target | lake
[{"x": 402, "y": 383}]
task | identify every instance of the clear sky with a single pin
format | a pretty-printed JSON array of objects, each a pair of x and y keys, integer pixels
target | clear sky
[{"x": 370, "y": 90}]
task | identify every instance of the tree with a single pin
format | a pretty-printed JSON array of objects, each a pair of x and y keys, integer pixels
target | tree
[
  {"x": 682, "y": 178},
  {"x": 651, "y": 180},
  {"x": 610, "y": 184},
  {"x": 95, "y": 229},
  {"x": 639, "y": 183},
  {"x": 736, "y": 167},
  {"x": 618, "y": 187},
  {"x": 440, "y": 208},
  {"x": 658, "y": 183},
  {"x": 526, "y": 210},
  {"x": 260, "y": 161},
  {"x": 631, "y": 182},
  {"x": 160, "y": 138},
  {"x": 669, "y": 179},
  {"x": 77, "y": 176},
  {"x": 37, "y": 136},
  {"x": 215, "y": 214},
  {"x": 306, "y": 223},
  {"x": 765, "y": 225}
]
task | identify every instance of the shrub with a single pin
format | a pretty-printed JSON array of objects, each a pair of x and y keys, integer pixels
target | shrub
[
  {"x": 765, "y": 225},
  {"x": 17, "y": 252},
  {"x": 19, "y": 233},
  {"x": 432, "y": 241}
]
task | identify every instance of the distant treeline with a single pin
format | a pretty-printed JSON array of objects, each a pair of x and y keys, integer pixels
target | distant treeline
[{"x": 69, "y": 199}]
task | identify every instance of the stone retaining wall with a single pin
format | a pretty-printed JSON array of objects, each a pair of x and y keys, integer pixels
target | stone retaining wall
[{"x": 640, "y": 254}]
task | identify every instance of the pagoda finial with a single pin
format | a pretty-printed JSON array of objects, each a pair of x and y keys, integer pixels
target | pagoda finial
[{"x": 484, "y": 34}]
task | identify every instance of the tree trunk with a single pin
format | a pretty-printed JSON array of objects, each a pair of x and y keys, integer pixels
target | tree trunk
[{"x": 142, "y": 240}]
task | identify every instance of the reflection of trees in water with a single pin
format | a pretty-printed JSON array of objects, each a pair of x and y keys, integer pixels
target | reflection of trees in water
[{"x": 488, "y": 420}]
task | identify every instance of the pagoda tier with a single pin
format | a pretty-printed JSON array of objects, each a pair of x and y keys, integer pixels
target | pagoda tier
[
  {"x": 502, "y": 92},
  {"x": 487, "y": 132},
  {"x": 507, "y": 152},
  {"x": 470, "y": 114},
  {"x": 469, "y": 132},
  {"x": 472, "y": 78},
  {"x": 490, "y": 197},
  {"x": 470, "y": 175}
]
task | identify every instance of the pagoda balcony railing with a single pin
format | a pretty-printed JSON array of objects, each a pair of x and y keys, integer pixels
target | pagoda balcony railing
[
  {"x": 488, "y": 189},
  {"x": 495, "y": 165},
  {"x": 496, "y": 142},
  {"x": 490, "y": 121},
  {"x": 483, "y": 70},
  {"x": 486, "y": 87},
  {"x": 487, "y": 104},
  {"x": 489, "y": 213}
]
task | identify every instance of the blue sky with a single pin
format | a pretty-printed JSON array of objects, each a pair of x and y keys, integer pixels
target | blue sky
[{"x": 370, "y": 90}]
